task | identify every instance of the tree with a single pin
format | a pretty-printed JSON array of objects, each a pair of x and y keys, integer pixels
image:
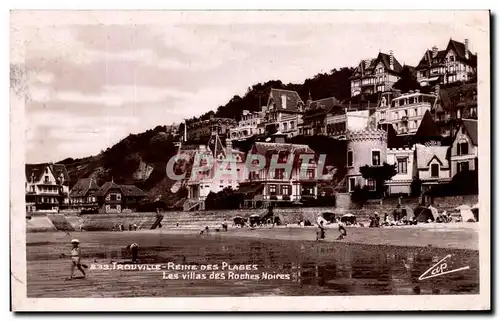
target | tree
[
  {"x": 408, "y": 80},
  {"x": 379, "y": 174}
]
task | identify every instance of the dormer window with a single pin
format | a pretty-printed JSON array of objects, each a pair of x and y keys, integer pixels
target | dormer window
[{"x": 435, "y": 170}]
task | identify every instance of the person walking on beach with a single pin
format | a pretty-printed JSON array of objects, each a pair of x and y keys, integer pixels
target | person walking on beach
[
  {"x": 75, "y": 258},
  {"x": 320, "y": 234},
  {"x": 134, "y": 250}
]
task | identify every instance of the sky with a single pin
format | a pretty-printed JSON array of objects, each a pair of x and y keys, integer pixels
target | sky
[{"x": 92, "y": 78}]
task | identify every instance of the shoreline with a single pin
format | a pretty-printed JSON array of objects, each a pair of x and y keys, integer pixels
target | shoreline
[{"x": 459, "y": 237}]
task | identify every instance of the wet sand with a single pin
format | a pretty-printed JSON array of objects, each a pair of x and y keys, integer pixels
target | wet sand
[{"x": 354, "y": 266}]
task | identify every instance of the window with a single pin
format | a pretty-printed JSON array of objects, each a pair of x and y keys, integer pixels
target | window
[
  {"x": 272, "y": 189},
  {"x": 452, "y": 58},
  {"x": 396, "y": 115},
  {"x": 285, "y": 126},
  {"x": 380, "y": 70},
  {"x": 352, "y": 184},
  {"x": 310, "y": 173},
  {"x": 350, "y": 156},
  {"x": 46, "y": 179},
  {"x": 415, "y": 124},
  {"x": 292, "y": 124},
  {"x": 463, "y": 130},
  {"x": 370, "y": 182},
  {"x": 285, "y": 190},
  {"x": 375, "y": 157},
  {"x": 46, "y": 170},
  {"x": 279, "y": 173},
  {"x": 435, "y": 170},
  {"x": 402, "y": 165},
  {"x": 463, "y": 166},
  {"x": 462, "y": 148},
  {"x": 113, "y": 197},
  {"x": 416, "y": 111}
]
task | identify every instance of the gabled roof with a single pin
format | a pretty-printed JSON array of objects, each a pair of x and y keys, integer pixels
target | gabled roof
[
  {"x": 292, "y": 99},
  {"x": 459, "y": 48},
  {"x": 58, "y": 170},
  {"x": 425, "y": 154},
  {"x": 471, "y": 128},
  {"x": 106, "y": 187},
  {"x": 127, "y": 190},
  {"x": 427, "y": 131},
  {"x": 456, "y": 46},
  {"x": 34, "y": 172},
  {"x": 385, "y": 59},
  {"x": 83, "y": 186}
]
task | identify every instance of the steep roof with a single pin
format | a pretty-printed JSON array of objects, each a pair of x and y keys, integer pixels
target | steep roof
[
  {"x": 106, "y": 187},
  {"x": 292, "y": 99},
  {"x": 58, "y": 170},
  {"x": 471, "y": 128},
  {"x": 427, "y": 131},
  {"x": 127, "y": 190},
  {"x": 83, "y": 186},
  {"x": 456, "y": 46},
  {"x": 386, "y": 59},
  {"x": 34, "y": 172},
  {"x": 426, "y": 153}
]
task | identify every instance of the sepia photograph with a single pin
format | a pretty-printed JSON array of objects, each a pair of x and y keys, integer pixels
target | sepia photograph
[{"x": 250, "y": 160}]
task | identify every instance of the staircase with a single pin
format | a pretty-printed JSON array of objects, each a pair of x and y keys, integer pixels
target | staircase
[{"x": 194, "y": 205}]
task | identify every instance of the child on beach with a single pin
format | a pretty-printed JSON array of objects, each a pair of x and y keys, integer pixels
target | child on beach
[
  {"x": 75, "y": 258},
  {"x": 320, "y": 234},
  {"x": 134, "y": 250}
]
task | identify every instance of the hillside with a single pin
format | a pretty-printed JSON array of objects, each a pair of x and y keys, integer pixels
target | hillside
[{"x": 141, "y": 159}]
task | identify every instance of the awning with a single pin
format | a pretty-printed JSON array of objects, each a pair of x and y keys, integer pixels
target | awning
[{"x": 249, "y": 189}]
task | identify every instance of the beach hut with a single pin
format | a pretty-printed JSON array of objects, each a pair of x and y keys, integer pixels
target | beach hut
[
  {"x": 239, "y": 221},
  {"x": 348, "y": 219},
  {"x": 254, "y": 219},
  {"x": 466, "y": 213},
  {"x": 329, "y": 216},
  {"x": 424, "y": 214}
]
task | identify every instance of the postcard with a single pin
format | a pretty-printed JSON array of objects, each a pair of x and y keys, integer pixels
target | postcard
[{"x": 250, "y": 160}]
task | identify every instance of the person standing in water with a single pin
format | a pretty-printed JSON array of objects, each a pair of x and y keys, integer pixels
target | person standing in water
[
  {"x": 320, "y": 234},
  {"x": 134, "y": 250},
  {"x": 75, "y": 258}
]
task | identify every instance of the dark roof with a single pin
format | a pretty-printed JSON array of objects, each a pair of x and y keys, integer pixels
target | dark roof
[
  {"x": 292, "y": 99},
  {"x": 35, "y": 172},
  {"x": 127, "y": 190},
  {"x": 459, "y": 48},
  {"x": 448, "y": 95},
  {"x": 83, "y": 186},
  {"x": 385, "y": 59},
  {"x": 427, "y": 131},
  {"x": 471, "y": 127},
  {"x": 58, "y": 169},
  {"x": 456, "y": 46},
  {"x": 106, "y": 187}
]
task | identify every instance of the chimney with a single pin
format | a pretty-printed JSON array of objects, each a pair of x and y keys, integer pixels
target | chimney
[
  {"x": 391, "y": 61},
  {"x": 466, "y": 43},
  {"x": 434, "y": 51},
  {"x": 283, "y": 101}
]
